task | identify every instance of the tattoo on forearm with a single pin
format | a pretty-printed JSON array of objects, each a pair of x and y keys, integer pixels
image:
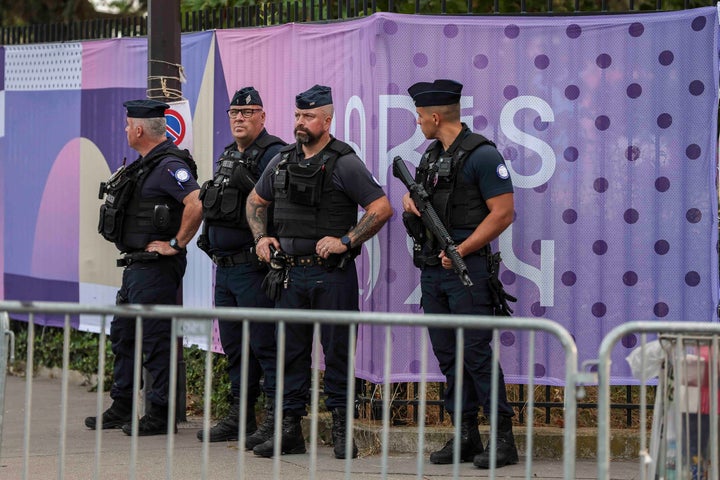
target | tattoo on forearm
[
  {"x": 366, "y": 228},
  {"x": 256, "y": 217}
]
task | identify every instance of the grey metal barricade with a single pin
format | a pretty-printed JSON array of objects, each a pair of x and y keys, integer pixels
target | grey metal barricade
[
  {"x": 7, "y": 349},
  {"x": 684, "y": 357},
  {"x": 313, "y": 466}
]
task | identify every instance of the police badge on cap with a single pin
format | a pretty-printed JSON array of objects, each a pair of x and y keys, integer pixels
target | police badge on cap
[
  {"x": 439, "y": 92},
  {"x": 316, "y": 96},
  {"x": 246, "y": 96}
]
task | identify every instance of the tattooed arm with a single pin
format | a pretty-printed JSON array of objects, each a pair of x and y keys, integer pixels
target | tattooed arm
[
  {"x": 376, "y": 214},
  {"x": 256, "y": 213}
]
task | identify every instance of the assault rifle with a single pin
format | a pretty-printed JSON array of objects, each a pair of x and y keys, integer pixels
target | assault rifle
[{"x": 431, "y": 220}]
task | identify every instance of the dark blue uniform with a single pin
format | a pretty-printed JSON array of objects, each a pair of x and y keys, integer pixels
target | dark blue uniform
[
  {"x": 238, "y": 279},
  {"x": 152, "y": 282},
  {"x": 443, "y": 292},
  {"x": 319, "y": 287}
]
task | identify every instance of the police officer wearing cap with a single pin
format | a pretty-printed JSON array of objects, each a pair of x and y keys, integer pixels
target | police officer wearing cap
[
  {"x": 315, "y": 187},
  {"x": 470, "y": 188},
  {"x": 227, "y": 239},
  {"x": 151, "y": 212}
]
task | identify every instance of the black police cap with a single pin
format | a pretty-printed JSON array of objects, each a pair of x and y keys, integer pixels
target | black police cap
[
  {"x": 246, "y": 96},
  {"x": 145, "y": 108},
  {"x": 316, "y": 96},
  {"x": 439, "y": 92}
]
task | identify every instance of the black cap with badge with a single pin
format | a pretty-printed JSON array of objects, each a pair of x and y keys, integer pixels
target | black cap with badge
[
  {"x": 145, "y": 108},
  {"x": 246, "y": 96},
  {"x": 439, "y": 92},
  {"x": 316, "y": 96}
]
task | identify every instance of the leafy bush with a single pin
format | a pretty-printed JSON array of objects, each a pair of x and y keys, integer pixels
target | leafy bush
[{"x": 83, "y": 357}]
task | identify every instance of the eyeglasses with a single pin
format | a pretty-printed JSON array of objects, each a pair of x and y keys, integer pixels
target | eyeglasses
[{"x": 245, "y": 112}]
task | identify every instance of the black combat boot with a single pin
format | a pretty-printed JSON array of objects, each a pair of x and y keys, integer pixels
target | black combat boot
[
  {"x": 264, "y": 432},
  {"x": 119, "y": 414},
  {"x": 291, "y": 442},
  {"x": 152, "y": 423},
  {"x": 506, "y": 452},
  {"x": 339, "y": 434},
  {"x": 228, "y": 428},
  {"x": 470, "y": 443}
]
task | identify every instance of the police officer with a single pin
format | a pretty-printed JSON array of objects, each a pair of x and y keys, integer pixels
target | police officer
[
  {"x": 315, "y": 186},
  {"x": 227, "y": 239},
  {"x": 470, "y": 188},
  {"x": 151, "y": 212}
]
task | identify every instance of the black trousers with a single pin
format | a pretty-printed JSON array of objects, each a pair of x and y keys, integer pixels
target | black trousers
[{"x": 155, "y": 282}]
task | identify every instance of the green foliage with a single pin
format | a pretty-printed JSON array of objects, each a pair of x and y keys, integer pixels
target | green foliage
[
  {"x": 48, "y": 350},
  {"x": 220, "y": 396},
  {"x": 83, "y": 357}
]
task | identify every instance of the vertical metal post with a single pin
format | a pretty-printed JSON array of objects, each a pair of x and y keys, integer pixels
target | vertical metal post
[
  {"x": 7, "y": 348},
  {"x": 163, "y": 77}
]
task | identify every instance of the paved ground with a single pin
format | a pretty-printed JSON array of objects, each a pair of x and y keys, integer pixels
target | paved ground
[{"x": 224, "y": 459}]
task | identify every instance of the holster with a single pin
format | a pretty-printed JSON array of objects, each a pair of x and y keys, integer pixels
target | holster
[
  {"x": 498, "y": 295},
  {"x": 422, "y": 251}
]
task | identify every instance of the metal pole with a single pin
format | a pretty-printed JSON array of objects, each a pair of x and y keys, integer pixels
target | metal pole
[{"x": 164, "y": 59}]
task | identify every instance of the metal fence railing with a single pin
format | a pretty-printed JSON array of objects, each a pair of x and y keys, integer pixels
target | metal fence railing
[
  {"x": 682, "y": 357},
  {"x": 184, "y": 319}
]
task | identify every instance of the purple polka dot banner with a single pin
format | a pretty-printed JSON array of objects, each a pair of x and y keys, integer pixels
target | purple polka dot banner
[{"x": 608, "y": 125}]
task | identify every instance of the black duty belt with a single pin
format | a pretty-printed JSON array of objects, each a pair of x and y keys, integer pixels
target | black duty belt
[
  {"x": 312, "y": 260},
  {"x": 241, "y": 258},
  {"x": 134, "y": 257}
]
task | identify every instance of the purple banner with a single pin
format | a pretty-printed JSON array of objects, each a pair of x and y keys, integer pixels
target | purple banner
[{"x": 608, "y": 125}]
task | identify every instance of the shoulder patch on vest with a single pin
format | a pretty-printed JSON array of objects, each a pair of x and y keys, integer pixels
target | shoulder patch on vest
[
  {"x": 502, "y": 172},
  {"x": 182, "y": 175}
]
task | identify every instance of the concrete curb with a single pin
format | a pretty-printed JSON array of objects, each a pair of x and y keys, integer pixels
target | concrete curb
[{"x": 547, "y": 441}]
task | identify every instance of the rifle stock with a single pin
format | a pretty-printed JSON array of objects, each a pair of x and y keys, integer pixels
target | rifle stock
[{"x": 431, "y": 220}]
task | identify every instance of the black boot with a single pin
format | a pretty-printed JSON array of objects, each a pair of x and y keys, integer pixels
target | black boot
[
  {"x": 506, "y": 452},
  {"x": 228, "y": 428},
  {"x": 264, "y": 432},
  {"x": 470, "y": 443},
  {"x": 153, "y": 423},
  {"x": 339, "y": 434},
  {"x": 291, "y": 442},
  {"x": 119, "y": 414}
]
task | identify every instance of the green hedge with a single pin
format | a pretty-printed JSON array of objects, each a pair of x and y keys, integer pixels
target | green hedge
[{"x": 83, "y": 358}]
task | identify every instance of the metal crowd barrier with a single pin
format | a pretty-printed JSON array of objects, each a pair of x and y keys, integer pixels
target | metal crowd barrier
[
  {"x": 245, "y": 463},
  {"x": 7, "y": 349},
  {"x": 682, "y": 358}
]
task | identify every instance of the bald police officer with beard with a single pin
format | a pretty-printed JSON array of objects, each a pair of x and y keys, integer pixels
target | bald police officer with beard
[{"x": 315, "y": 187}]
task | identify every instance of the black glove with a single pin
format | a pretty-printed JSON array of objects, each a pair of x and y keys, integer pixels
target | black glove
[{"x": 273, "y": 283}]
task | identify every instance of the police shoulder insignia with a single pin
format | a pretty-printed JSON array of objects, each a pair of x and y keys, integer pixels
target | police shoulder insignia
[
  {"x": 182, "y": 175},
  {"x": 502, "y": 172}
]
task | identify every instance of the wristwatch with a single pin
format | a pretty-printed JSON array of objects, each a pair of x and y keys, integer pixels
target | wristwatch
[
  {"x": 345, "y": 240},
  {"x": 174, "y": 244}
]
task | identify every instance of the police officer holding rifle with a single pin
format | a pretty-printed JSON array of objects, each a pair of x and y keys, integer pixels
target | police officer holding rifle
[{"x": 461, "y": 200}]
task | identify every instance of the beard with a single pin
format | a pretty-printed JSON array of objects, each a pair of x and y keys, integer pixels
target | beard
[{"x": 305, "y": 137}]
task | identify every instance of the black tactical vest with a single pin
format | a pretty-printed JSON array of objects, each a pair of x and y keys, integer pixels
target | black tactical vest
[
  {"x": 223, "y": 198},
  {"x": 459, "y": 205},
  {"x": 307, "y": 204},
  {"x": 131, "y": 221}
]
